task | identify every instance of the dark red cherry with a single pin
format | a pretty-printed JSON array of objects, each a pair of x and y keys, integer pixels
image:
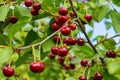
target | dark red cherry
[
  {"x": 51, "y": 56},
  {"x": 88, "y": 17},
  {"x": 37, "y": 6},
  {"x": 72, "y": 41},
  {"x": 80, "y": 42},
  {"x": 84, "y": 62},
  {"x": 65, "y": 30},
  {"x": 111, "y": 54},
  {"x": 98, "y": 76},
  {"x": 62, "y": 19},
  {"x": 66, "y": 41},
  {"x": 55, "y": 50},
  {"x": 67, "y": 67},
  {"x": 56, "y": 39},
  {"x": 72, "y": 66},
  {"x": 37, "y": 67},
  {"x": 28, "y": 3},
  {"x": 13, "y": 19},
  {"x": 61, "y": 60},
  {"x": 63, "y": 51},
  {"x": 55, "y": 27},
  {"x": 8, "y": 71},
  {"x": 73, "y": 27},
  {"x": 58, "y": 22},
  {"x": 82, "y": 78},
  {"x": 63, "y": 11},
  {"x": 34, "y": 12}
]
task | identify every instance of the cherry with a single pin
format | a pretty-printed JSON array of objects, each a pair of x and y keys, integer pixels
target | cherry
[
  {"x": 82, "y": 78},
  {"x": 63, "y": 11},
  {"x": 55, "y": 50},
  {"x": 55, "y": 27},
  {"x": 51, "y": 56},
  {"x": 88, "y": 17},
  {"x": 63, "y": 51},
  {"x": 94, "y": 78},
  {"x": 72, "y": 66},
  {"x": 28, "y": 3},
  {"x": 56, "y": 38},
  {"x": 8, "y": 71},
  {"x": 34, "y": 12},
  {"x": 58, "y": 22},
  {"x": 72, "y": 41},
  {"x": 65, "y": 30},
  {"x": 84, "y": 62},
  {"x": 111, "y": 54},
  {"x": 73, "y": 27},
  {"x": 13, "y": 19},
  {"x": 80, "y": 42},
  {"x": 67, "y": 67},
  {"x": 66, "y": 41},
  {"x": 61, "y": 60},
  {"x": 62, "y": 19},
  {"x": 98, "y": 76},
  {"x": 37, "y": 67},
  {"x": 37, "y": 6}
]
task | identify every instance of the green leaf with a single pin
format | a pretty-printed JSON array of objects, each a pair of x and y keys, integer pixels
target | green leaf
[
  {"x": 25, "y": 19},
  {"x": 3, "y": 39},
  {"x": 116, "y": 2},
  {"x": 71, "y": 78},
  {"x": 4, "y": 11},
  {"x": 15, "y": 28},
  {"x": 90, "y": 33},
  {"x": 115, "y": 20},
  {"x": 108, "y": 25}
]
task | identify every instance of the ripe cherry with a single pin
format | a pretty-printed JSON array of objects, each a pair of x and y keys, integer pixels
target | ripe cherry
[
  {"x": 65, "y": 30},
  {"x": 111, "y": 54},
  {"x": 61, "y": 60},
  {"x": 88, "y": 17},
  {"x": 72, "y": 66},
  {"x": 62, "y": 19},
  {"x": 55, "y": 50},
  {"x": 63, "y": 11},
  {"x": 66, "y": 41},
  {"x": 37, "y": 6},
  {"x": 84, "y": 62},
  {"x": 37, "y": 67},
  {"x": 73, "y": 27},
  {"x": 82, "y": 78},
  {"x": 58, "y": 22},
  {"x": 67, "y": 67},
  {"x": 80, "y": 42},
  {"x": 63, "y": 51},
  {"x": 28, "y": 3},
  {"x": 72, "y": 41},
  {"x": 55, "y": 27},
  {"x": 98, "y": 76},
  {"x": 8, "y": 71},
  {"x": 13, "y": 19},
  {"x": 51, "y": 56},
  {"x": 34, "y": 12},
  {"x": 56, "y": 39}
]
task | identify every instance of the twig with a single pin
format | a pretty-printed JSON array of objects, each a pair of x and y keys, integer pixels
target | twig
[
  {"x": 111, "y": 5},
  {"x": 41, "y": 42},
  {"x": 81, "y": 27},
  {"x": 107, "y": 39}
]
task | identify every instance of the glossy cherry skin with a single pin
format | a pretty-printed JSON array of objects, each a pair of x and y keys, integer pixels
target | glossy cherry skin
[
  {"x": 55, "y": 27},
  {"x": 66, "y": 41},
  {"x": 84, "y": 62},
  {"x": 65, "y": 30},
  {"x": 37, "y": 6},
  {"x": 82, "y": 78},
  {"x": 88, "y": 17},
  {"x": 72, "y": 41},
  {"x": 37, "y": 67},
  {"x": 63, "y": 11},
  {"x": 55, "y": 50},
  {"x": 62, "y": 19},
  {"x": 8, "y": 71},
  {"x": 63, "y": 51},
  {"x": 58, "y": 22},
  {"x": 98, "y": 76},
  {"x": 73, "y": 27},
  {"x": 13, "y": 19},
  {"x": 67, "y": 67},
  {"x": 28, "y": 3},
  {"x": 111, "y": 54},
  {"x": 34, "y": 12},
  {"x": 80, "y": 42}
]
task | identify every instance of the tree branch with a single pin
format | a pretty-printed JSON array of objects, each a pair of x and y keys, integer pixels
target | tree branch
[{"x": 81, "y": 27}]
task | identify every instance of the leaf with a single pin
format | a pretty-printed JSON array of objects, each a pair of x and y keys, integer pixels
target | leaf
[
  {"x": 90, "y": 33},
  {"x": 115, "y": 20},
  {"x": 71, "y": 78},
  {"x": 3, "y": 39},
  {"x": 15, "y": 28},
  {"x": 116, "y": 2},
  {"x": 25, "y": 19},
  {"x": 4, "y": 11},
  {"x": 108, "y": 25}
]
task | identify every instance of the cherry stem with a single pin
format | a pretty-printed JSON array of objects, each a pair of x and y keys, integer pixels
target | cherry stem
[
  {"x": 2, "y": 46},
  {"x": 33, "y": 51},
  {"x": 88, "y": 73},
  {"x": 61, "y": 39},
  {"x": 39, "y": 52},
  {"x": 85, "y": 70}
]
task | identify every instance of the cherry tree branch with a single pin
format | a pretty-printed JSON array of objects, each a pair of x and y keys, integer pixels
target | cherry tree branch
[
  {"x": 81, "y": 27},
  {"x": 107, "y": 39},
  {"x": 41, "y": 42}
]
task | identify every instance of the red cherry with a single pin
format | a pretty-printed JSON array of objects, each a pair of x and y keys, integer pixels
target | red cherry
[
  {"x": 111, "y": 54},
  {"x": 65, "y": 30},
  {"x": 80, "y": 42},
  {"x": 61, "y": 60},
  {"x": 56, "y": 39},
  {"x": 82, "y": 78},
  {"x": 72, "y": 66},
  {"x": 37, "y": 67},
  {"x": 13, "y": 19},
  {"x": 67, "y": 67},
  {"x": 72, "y": 41},
  {"x": 55, "y": 50},
  {"x": 55, "y": 27},
  {"x": 94, "y": 78},
  {"x": 66, "y": 41},
  {"x": 58, "y": 22},
  {"x": 98, "y": 76},
  {"x": 8, "y": 71},
  {"x": 28, "y": 3},
  {"x": 73, "y": 27},
  {"x": 34, "y": 12},
  {"x": 63, "y": 51},
  {"x": 63, "y": 11},
  {"x": 37, "y": 6},
  {"x": 84, "y": 62},
  {"x": 51, "y": 56},
  {"x": 88, "y": 17},
  {"x": 62, "y": 19}
]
